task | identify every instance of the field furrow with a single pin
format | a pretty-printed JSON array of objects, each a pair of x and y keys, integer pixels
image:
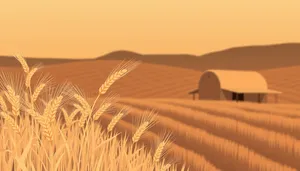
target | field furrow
[
  {"x": 268, "y": 121},
  {"x": 193, "y": 161},
  {"x": 276, "y": 146},
  {"x": 223, "y": 153}
]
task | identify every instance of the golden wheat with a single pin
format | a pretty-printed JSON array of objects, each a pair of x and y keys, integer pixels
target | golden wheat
[
  {"x": 3, "y": 104},
  {"x": 46, "y": 127},
  {"x": 115, "y": 120},
  {"x": 101, "y": 110},
  {"x": 53, "y": 109},
  {"x": 37, "y": 91},
  {"x": 159, "y": 151},
  {"x": 166, "y": 167},
  {"x": 146, "y": 122},
  {"x": 137, "y": 135},
  {"x": 23, "y": 63},
  {"x": 11, "y": 122},
  {"x": 29, "y": 76},
  {"x": 69, "y": 119},
  {"x": 82, "y": 101},
  {"x": 110, "y": 80}
]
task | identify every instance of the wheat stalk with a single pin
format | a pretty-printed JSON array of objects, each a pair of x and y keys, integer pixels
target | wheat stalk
[
  {"x": 11, "y": 122},
  {"x": 23, "y": 63},
  {"x": 3, "y": 104},
  {"x": 37, "y": 91},
  {"x": 101, "y": 110},
  {"x": 115, "y": 120},
  {"x": 29, "y": 76}
]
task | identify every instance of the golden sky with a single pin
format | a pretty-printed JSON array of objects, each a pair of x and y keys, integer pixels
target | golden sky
[{"x": 90, "y": 28}]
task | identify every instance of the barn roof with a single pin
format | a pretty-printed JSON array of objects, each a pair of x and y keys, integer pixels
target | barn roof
[{"x": 242, "y": 81}]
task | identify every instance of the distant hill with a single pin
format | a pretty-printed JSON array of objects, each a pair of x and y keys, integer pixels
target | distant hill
[
  {"x": 239, "y": 58},
  {"x": 8, "y": 61}
]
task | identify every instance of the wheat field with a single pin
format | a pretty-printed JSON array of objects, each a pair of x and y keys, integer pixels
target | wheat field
[
  {"x": 227, "y": 134},
  {"x": 49, "y": 126}
]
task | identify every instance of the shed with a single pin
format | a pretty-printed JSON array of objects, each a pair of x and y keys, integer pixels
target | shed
[{"x": 233, "y": 85}]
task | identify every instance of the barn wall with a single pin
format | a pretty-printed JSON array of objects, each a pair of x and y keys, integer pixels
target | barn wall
[
  {"x": 254, "y": 97},
  {"x": 209, "y": 87}
]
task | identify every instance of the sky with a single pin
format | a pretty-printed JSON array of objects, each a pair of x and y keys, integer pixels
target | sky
[{"x": 91, "y": 28}]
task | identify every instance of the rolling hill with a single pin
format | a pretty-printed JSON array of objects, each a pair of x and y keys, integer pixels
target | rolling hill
[{"x": 238, "y": 58}]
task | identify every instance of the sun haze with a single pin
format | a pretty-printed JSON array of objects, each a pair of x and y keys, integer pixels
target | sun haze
[{"x": 87, "y": 29}]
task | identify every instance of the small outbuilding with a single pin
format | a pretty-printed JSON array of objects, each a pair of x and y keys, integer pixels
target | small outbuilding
[{"x": 233, "y": 85}]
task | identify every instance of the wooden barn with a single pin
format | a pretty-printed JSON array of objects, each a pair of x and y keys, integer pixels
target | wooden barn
[{"x": 233, "y": 85}]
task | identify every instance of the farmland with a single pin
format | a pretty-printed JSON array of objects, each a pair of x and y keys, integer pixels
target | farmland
[{"x": 236, "y": 139}]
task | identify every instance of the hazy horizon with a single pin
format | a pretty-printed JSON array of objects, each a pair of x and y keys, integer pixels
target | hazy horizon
[{"x": 74, "y": 29}]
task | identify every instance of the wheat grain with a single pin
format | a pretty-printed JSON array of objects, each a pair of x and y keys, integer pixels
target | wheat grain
[
  {"x": 37, "y": 91},
  {"x": 3, "y": 104},
  {"x": 11, "y": 122},
  {"x": 101, "y": 110},
  {"x": 23, "y": 63},
  {"x": 29, "y": 76},
  {"x": 115, "y": 120}
]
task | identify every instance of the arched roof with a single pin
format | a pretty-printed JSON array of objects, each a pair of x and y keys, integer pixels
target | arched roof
[{"x": 241, "y": 81}]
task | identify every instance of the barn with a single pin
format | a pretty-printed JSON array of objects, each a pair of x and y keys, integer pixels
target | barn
[{"x": 233, "y": 85}]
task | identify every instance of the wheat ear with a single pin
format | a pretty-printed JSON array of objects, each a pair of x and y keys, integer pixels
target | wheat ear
[
  {"x": 13, "y": 99},
  {"x": 82, "y": 101},
  {"x": 3, "y": 104},
  {"x": 46, "y": 127},
  {"x": 111, "y": 79},
  {"x": 23, "y": 63},
  {"x": 11, "y": 122},
  {"x": 37, "y": 91},
  {"x": 159, "y": 151},
  {"x": 115, "y": 120},
  {"x": 142, "y": 128},
  {"x": 29, "y": 76},
  {"x": 53, "y": 109},
  {"x": 101, "y": 110}
]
